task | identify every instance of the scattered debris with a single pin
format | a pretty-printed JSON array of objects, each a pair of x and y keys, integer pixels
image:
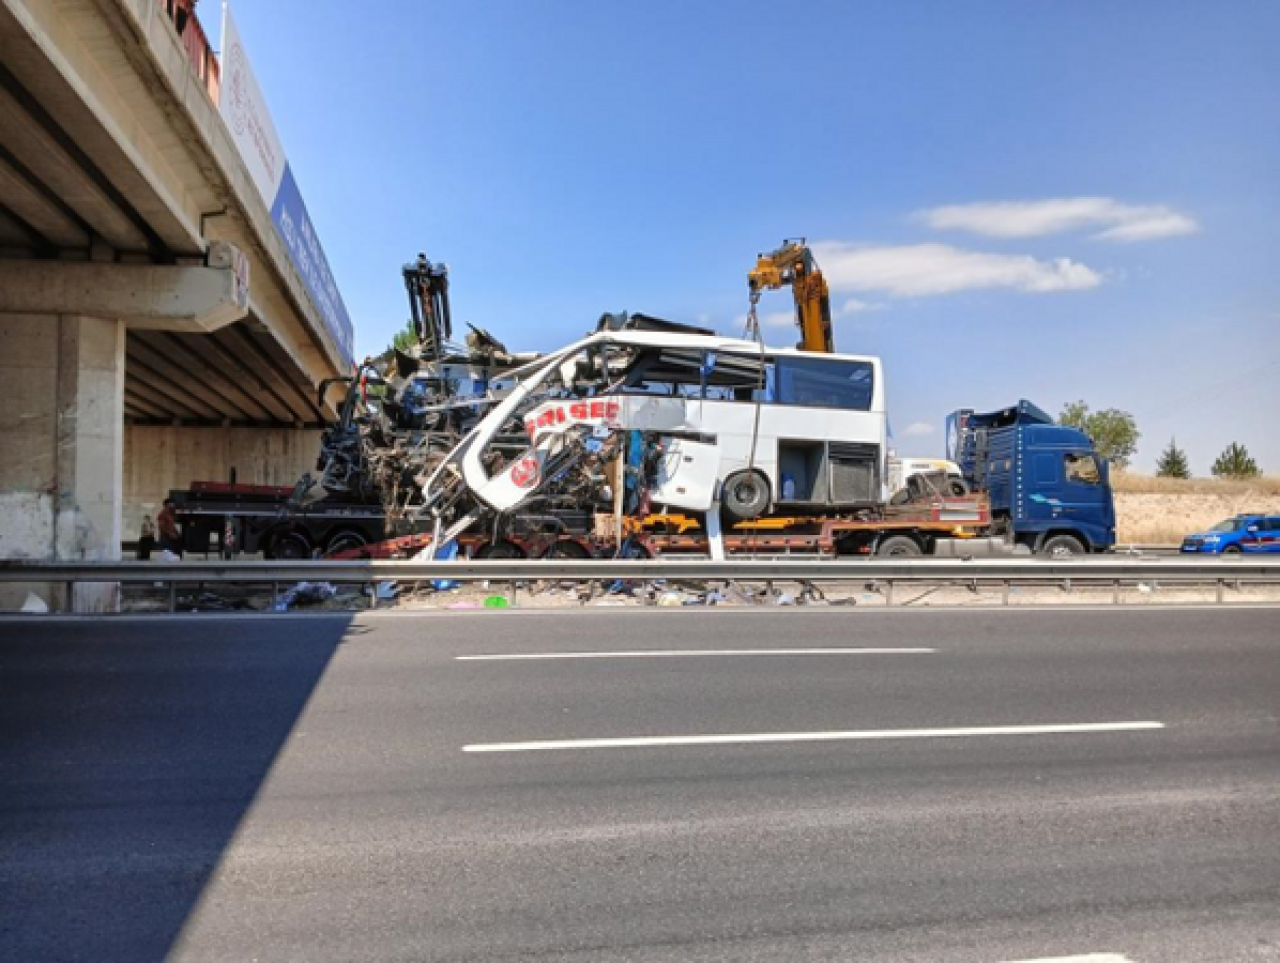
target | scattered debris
[
  {"x": 304, "y": 593},
  {"x": 34, "y": 605}
]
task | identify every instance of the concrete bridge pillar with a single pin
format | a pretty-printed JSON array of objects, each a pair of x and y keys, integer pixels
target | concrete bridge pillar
[{"x": 62, "y": 381}]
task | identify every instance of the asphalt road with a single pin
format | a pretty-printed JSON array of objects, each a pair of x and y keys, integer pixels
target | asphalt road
[{"x": 1031, "y": 785}]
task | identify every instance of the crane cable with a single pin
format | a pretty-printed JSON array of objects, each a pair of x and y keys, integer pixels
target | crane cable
[{"x": 753, "y": 327}]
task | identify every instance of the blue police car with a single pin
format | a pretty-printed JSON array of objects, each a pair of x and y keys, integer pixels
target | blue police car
[{"x": 1243, "y": 533}]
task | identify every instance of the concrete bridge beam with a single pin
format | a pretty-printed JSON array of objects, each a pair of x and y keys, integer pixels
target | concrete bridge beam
[{"x": 164, "y": 297}]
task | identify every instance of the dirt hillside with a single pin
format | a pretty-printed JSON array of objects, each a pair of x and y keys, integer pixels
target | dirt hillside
[{"x": 1160, "y": 511}]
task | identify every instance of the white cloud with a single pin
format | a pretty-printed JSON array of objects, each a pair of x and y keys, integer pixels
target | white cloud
[
  {"x": 918, "y": 428},
  {"x": 777, "y": 319},
  {"x": 926, "y": 269},
  {"x": 854, "y": 306},
  {"x": 1123, "y": 222}
]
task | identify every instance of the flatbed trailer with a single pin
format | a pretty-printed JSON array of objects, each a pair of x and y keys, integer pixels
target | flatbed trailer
[
  {"x": 913, "y": 529},
  {"x": 231, "y": 518}
]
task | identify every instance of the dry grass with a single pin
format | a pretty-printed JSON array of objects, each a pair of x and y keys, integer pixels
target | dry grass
[{"x": 1134, "y": 483}]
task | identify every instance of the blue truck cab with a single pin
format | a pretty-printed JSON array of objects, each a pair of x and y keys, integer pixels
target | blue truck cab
[{"x": 1049, "y": 488}]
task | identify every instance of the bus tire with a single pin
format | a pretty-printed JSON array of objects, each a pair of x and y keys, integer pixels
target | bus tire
[
  {"x": 900, "y": 546},
  {"x": 745, "y": 495}
]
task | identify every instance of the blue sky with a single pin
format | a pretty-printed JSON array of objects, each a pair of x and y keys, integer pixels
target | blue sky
[{"x": 1050, "y": 201}]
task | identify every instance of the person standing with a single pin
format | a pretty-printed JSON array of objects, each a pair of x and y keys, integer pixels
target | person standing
[
  {"x": 170, "y": 536},
  {"x": 146, "y": 538}
]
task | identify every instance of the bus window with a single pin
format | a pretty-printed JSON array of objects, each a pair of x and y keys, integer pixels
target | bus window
[{"x": 825, "y": 383}]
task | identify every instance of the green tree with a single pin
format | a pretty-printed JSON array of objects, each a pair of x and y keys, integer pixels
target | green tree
[
  {"x": 1114, "y": 432},
  {"x": 1235, "y": 462},
  {"x": 1173, "y": 462},
  {"x": 405, "y": 338}
]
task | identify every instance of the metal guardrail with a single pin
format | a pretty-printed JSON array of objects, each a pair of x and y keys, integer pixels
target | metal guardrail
[
  {"x": 1089, "y": 568},
  {"x": 1005, "y": 572}
]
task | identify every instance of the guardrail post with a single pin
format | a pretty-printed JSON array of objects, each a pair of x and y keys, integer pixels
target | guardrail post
[
  {"x": 1004, "y": 592},
  {"x": 514, "y": 584},
  {"x": 1222, "y": 584},
  {"x": 173, "y": 596},
  {"x": 888, "y": 595},
  {"x": 1115, "y": 592}
]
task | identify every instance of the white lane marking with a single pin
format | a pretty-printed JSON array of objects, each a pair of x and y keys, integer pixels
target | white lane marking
[
  {"x": 1087, "y": 958},
  {"x": 852, "y": 735},
  {"x": 673, "y": 653}
]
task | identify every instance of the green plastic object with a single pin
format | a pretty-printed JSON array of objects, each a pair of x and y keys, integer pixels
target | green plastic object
[{"x": 496, "y": 602}]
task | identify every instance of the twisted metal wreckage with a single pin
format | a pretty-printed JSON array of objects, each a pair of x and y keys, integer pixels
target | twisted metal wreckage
[{"x": 570, "y": 453}]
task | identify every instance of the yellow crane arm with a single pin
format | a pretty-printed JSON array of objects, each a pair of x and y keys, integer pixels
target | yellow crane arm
[{"x": 793, "y": 264}]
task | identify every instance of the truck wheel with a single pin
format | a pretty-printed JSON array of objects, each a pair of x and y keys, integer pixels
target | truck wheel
[
  {"x": 567, "y": 548},
  {"x": 1062, "y": 546},
  {"x": 958, "y": 486},
  {"x": 900, "y": 546},
  {"x": 745, "y": 495},
  {"x": 291, "y": 547},
  {"x": 500, "y": 550},
  {"x": 345, "y": 541}
]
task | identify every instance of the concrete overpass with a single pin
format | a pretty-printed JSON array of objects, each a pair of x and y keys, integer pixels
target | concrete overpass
[{"x": 154, "y": 326}]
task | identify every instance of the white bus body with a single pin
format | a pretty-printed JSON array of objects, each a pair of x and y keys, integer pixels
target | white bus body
[{"x": 813, "y": 426}]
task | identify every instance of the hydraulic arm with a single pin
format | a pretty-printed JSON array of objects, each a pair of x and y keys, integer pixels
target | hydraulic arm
[
  {"x": 793, "y": 264},
  {"x": 428, "y": 287}
]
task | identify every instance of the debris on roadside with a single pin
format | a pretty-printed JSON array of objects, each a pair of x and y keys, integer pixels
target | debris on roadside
[{"x": 304, "y": 593}]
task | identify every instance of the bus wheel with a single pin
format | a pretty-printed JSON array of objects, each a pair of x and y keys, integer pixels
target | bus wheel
[
  {"x": 291, "y": 547},
  {"x": 899, "y": 546},
  {"x": 745, "y": 495}
]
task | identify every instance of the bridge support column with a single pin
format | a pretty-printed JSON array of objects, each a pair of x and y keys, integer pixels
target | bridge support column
[{"x": 61, "y": 474}]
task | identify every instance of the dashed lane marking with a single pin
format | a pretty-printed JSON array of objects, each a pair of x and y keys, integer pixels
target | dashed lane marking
[
  {"x": 1087, "y": 958},
  {"x": 678, "y": 653},
  {"x": 754, "y": 738}
]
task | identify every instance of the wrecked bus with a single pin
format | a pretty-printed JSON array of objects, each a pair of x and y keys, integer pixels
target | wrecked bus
[
  {"x": 781, "y": 445},
  {"x": 753, "y": 428}
]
